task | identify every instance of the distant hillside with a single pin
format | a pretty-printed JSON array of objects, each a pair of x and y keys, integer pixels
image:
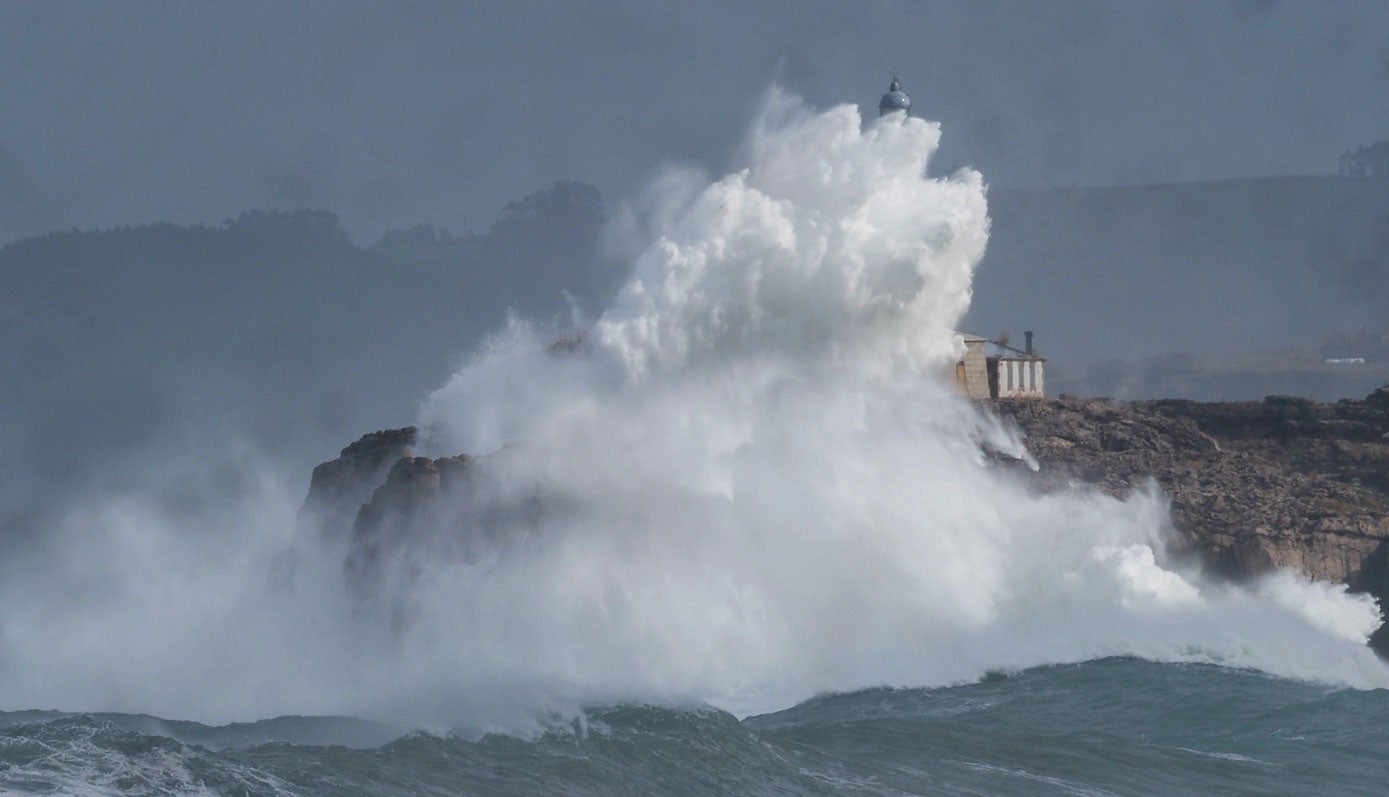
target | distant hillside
[
  {"x": 273, "y": 324},
  {"x": 1201, "y": 268},
  {"x": 278, "y": 326}
]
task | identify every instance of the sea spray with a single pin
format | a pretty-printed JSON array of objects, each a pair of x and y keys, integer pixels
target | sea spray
[
  {"x": 752, "y": 483},
  {"x": 778, "y": 494}
]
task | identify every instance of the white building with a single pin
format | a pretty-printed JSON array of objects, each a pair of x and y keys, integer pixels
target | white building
[{"x": 1009, "y": 373}]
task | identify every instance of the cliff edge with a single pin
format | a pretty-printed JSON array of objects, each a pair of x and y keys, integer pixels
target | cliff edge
[{"x": 1255, "y": 486}]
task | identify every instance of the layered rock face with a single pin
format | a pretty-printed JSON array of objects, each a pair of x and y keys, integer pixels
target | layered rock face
[
  {"x": 340, "y": 487},
  {"x": 1255, "y": 486},
  {"x": 408, "y": 506},
  {"x": 395, "y": 510}
]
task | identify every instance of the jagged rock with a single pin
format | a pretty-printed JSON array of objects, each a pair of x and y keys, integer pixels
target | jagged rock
[
  {"x": 408, "y": 504},
  {"x": 449, "y": 509},
  {"x": 340, "y": 487},
  {"x": 337, "y": 491},
  {"x": 1255, "y": 486}
]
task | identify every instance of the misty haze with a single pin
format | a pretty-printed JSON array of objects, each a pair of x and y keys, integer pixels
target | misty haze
[{"x": 589, "y": 387}]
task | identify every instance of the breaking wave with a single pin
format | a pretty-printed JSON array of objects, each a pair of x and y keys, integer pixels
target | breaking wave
[
  {"x": 1113, "y": 726},
  {"x": 757, "y": 485}
]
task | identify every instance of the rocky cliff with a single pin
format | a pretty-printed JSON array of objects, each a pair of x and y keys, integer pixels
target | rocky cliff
[
  {"x": 340, "y": 487},
  {"x": 1255, "y": 486},
  {"x": 394, "y": 509}
]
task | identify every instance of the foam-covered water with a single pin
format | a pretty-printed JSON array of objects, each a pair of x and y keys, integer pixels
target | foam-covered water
[
  {"x": 754, "y": 487},
  {"x": 1111, "y": 726}
]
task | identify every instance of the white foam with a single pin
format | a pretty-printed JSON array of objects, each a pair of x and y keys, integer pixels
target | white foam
[{"x": 758, "y": 488}]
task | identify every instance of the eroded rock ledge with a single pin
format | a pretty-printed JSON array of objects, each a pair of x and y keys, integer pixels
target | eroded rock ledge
[{"x": 1255, "y": 486}]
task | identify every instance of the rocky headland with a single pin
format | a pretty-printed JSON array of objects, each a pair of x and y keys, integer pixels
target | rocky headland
[{"x": 1255, "y": 486}]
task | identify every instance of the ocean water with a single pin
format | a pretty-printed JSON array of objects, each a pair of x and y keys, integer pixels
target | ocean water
[{"x": 1109, "y": 726}]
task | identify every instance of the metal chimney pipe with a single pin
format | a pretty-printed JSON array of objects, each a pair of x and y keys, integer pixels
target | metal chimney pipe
[{"x": 1028, "y": 346}]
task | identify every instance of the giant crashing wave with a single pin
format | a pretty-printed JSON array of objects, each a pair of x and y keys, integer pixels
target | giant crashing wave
[{"x": 767, "y": 492}]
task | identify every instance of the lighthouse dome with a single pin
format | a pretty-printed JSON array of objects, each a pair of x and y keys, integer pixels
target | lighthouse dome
[{"x": 895, "y": 100}]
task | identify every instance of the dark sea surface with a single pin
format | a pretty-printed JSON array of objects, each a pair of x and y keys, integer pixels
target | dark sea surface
[{"x": 1112, "y": 726}]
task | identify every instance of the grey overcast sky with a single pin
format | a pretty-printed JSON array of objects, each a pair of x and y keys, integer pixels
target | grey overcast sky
[{"x": 392, "y": 114}]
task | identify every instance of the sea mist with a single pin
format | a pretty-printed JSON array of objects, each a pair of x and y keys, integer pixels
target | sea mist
[{"x": 755, "y": 486}]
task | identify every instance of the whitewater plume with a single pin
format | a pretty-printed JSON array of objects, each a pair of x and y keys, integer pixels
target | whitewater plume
[
  {"x": 753, "y": 485},
  {"x": 778, "y": 494}
]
